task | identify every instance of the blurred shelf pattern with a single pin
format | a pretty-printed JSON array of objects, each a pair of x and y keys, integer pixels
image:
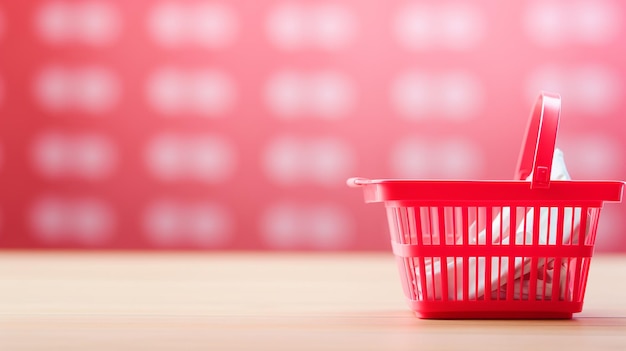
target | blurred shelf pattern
[{"x": 198, "y": 124}]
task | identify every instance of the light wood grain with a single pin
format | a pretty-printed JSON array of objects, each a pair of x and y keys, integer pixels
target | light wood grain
[{"x": 252, "y": 301}]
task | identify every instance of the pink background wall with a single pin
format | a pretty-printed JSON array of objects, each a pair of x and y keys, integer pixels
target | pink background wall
[{"x": 234, "y": 124}]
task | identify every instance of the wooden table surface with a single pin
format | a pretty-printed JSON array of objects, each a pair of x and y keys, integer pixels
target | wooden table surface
[{"x": 251, "y": 301}]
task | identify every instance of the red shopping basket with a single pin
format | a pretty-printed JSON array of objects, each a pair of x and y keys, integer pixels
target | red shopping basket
[{"x": 496, "y": 249}]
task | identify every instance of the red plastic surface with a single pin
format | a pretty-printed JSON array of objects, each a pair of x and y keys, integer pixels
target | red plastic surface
[
  {"x": 539, "y": 141},
  {"x": 435, "y": 225}
]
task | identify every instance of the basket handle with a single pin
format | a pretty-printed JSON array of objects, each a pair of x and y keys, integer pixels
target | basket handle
[{"x": 539, "y": 142}]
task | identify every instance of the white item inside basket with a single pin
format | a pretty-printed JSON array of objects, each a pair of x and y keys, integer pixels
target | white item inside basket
[{"x": 500, "y": 265}]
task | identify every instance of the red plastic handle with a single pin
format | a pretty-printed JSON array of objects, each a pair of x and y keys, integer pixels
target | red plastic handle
[{"x": 538, "y": 145}]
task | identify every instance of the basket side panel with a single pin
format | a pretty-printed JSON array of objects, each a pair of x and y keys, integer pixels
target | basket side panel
[{"x": 469, "y": 254}]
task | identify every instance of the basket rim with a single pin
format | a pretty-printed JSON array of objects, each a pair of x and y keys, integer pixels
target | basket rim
[{"x": 502, "y": 191}]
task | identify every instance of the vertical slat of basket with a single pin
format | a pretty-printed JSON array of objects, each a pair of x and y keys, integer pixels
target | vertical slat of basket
[
  {"x": 443, "y": 262},
  {"x": 536, "y": 233},
  {"x": 411, "y": 261},
  {"x": 510, "y": 285},
  {"x": 581, "y": 241},
  {"x": 465, "y": 244},
  {"x": 556, "y": 280},
  {"x": 420, "y": 242},
  {"x": 488, "y": 243}
]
